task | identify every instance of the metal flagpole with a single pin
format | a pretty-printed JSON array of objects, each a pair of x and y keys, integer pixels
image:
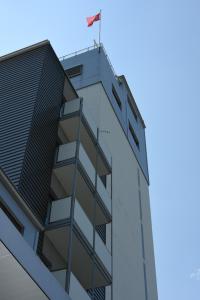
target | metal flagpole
[{"x": 100, "y": 29}]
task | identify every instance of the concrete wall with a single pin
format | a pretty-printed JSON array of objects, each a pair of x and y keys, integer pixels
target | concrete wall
[{"x": 130, "y": 201}]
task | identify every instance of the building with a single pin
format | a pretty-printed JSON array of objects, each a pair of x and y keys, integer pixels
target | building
[{"x": 75, "y": 213}]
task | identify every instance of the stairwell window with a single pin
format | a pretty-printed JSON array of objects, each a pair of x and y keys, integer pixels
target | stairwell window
[
  {"x": 117, "y": 99},
  {"x": 133, "y": 135},
  {"x": 75, "y": 71}
]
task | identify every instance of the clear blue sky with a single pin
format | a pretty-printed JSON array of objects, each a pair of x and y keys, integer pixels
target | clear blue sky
[{"x": 156, "y": 44}]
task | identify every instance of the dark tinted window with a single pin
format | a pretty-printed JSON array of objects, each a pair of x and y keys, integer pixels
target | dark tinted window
[
  {"x": 75, "y": 71},
  {"x": 117, "y": 99},
  {"x": 12, "y": 218},
  {"x": 132, "y": 132}
]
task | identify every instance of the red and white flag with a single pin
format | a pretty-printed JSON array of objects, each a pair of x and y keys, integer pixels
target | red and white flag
[{"x": 91, "y": 20}]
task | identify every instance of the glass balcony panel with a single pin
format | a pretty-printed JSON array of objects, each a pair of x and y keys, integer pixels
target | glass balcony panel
[
  {"x": 60, "y": 276},
  {"x": 103, "y": 194},
  {"x": 66, "y": 151},
  {"x": 71, "y": 106},
  {"x": 105, "y": 149},
  {"x": 103, "y": 252},
  {"x": 76, "y": 290},
  {"x": 85, "y": 161},
  {"x": 60, "y": 209},
  {"x": 83, "y": 222},
  {"x": 68, "y": 132},
  {"x": 62, "y": 181},
  {"x": 88, "y": 116}
]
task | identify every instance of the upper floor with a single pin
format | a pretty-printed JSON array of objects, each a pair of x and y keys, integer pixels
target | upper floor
[{"x": 91, "y": 66}]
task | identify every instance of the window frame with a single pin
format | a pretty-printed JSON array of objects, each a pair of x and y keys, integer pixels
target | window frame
[
  {"x": 117, "y": 98},
  {"x": 78, "y": 73},
  {"x": 134, "y": 136},
  {"x": 11, "y": 216}
]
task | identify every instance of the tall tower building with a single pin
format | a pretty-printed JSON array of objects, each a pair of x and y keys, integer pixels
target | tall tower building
[{"x": 75, "y": 215}]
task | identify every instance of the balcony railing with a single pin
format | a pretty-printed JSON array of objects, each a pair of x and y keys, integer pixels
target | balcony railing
[
  {"x": 103, "y": 252},
  {"x": 66, "y": 153},
  {"x": 102, "y": 192},
  {"x": 70, "y": 129},
  {"x": 60, "y": 210},
  {"x": 76, "y": 290}
]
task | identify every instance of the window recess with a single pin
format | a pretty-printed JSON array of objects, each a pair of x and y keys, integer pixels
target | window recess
[
  {"x": 12, "y": 217},
  {"x": 117, "y": 99},
  {"x": 74, "y": 71},
  {"x": 133, "y": 135}
]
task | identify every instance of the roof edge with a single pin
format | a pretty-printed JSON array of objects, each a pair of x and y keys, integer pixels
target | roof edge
[
  {"x": 23, "y": 50},
  {"x": 123, "y": 78},
  {"x": 33, "y": 47}
]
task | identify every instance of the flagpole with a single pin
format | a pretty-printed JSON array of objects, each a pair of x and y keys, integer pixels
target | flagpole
[{"x": 100, "y": 29}]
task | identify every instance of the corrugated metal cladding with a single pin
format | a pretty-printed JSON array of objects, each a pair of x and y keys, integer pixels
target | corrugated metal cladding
[
  {"x": 101, "y": 229},
  {"x": 31, "y": 88},
  {"x": 99, "y": 293}
]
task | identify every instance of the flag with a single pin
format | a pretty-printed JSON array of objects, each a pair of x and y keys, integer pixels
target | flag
[{"x": 91, "y": 20}]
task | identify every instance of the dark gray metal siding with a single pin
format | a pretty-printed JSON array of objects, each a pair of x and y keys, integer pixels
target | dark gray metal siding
[
  {"x": 19, "y": 79},
  {"x": 101, "y": 229},
  {"x": 38, "y": 162},
  {"x": 31, "y": 87},
  {"x": 99, "y": 293}
]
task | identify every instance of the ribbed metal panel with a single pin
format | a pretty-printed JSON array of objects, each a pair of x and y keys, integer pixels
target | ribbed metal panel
[
  {"x": 99, "y": 293},
  {"x": 31, "y": 87},
  {"x": 38, "y": 162},
  {"x": 19, "y": 79},
  {"x": 101, "y": 229}
]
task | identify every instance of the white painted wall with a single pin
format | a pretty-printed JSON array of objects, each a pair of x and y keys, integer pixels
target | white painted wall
[{"x": 128, "y": 274}]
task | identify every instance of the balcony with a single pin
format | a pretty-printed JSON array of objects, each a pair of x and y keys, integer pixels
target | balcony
[
  {"x": 76, "y": 290},
  {"x": 63, "y": 180},
  {"x": 68, "y": 132},
  {"x": 56, "y": 241}
]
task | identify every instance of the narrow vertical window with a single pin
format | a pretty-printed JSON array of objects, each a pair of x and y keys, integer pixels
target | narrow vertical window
[
  {"x": 75, "y": 71},
  {"x": 132, "y": 132},
  {"x": 117, "y": 99}
]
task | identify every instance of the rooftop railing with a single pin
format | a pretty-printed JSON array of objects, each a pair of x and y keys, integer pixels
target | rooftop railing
[
  {"x": 95, "y": 46},
  {"x": 79, "y": 52}
]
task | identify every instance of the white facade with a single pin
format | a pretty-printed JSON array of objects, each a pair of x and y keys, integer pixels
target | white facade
[{"x": 133, "y": 268}]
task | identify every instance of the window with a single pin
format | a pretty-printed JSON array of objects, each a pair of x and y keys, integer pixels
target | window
[
  {"x": 75, "y": 71},
  {"x": 132, "y": 108},
  {"x": 117, "y": 99},
  {"x": 132, "y": 132},
  {"x": 11, "y": 217}
]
